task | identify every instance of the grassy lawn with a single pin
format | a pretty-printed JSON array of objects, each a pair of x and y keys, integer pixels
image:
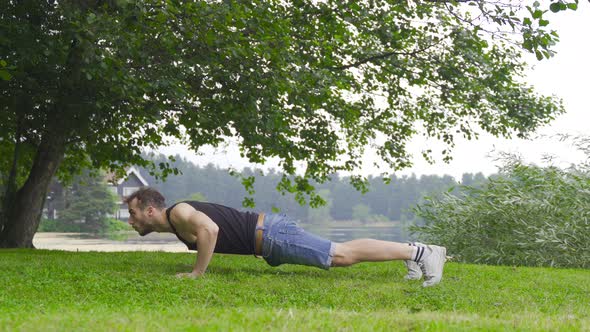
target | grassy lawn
[{"x": 44, "y": 290}]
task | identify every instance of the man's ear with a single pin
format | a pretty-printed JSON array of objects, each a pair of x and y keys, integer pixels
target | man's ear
[{"x": 150, "y": 210}]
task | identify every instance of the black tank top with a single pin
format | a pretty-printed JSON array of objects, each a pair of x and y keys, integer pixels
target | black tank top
[{"x": 236, "y": 228}]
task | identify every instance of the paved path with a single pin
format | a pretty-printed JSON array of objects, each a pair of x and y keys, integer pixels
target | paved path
[{"x": 74, "y": 242}]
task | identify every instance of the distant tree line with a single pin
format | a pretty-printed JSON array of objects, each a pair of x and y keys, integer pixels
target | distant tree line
[
  {"x": 383, "y": 202},
  {"x": 85, "y": 204}
]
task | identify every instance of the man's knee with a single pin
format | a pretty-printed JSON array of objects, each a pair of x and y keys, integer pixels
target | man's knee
[{"x": 343, "y": 256}]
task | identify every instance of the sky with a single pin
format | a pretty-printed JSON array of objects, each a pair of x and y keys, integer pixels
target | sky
[{"x": 565, "y": 75}]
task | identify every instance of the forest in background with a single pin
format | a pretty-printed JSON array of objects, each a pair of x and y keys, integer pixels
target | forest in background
[
  {"x": 86, "y": 204},
  {"x": 383, "y": 202}
]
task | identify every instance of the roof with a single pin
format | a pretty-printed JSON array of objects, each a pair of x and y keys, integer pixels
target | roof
[
  {"x": 133, "y": 170},
  {"x": 111, "y": 177}
]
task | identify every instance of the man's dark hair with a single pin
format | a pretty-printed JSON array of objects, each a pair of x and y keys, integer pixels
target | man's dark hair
[{"x": 147, "y": 196}]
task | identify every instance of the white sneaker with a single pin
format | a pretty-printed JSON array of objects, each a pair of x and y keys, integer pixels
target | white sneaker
[
  {"x": 414, "y": 271},
  {"x": 432, "y": 266}
]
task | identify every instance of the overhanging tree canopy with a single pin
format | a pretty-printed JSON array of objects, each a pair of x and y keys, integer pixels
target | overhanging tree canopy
[{"x": 92, "y": 83}]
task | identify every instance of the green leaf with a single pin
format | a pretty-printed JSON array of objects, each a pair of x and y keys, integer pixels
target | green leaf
[
  {"x": 527, "y": 21},
  {"x": 527, "y": 45},
  {"x": 4, "y": 75},
  {"x": 554, "y": 7},
  {"x": 543, "y": 23}
]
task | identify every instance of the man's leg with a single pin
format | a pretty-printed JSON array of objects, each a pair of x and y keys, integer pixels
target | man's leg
[
  {"x": 369, "y": 250},
  {"x": 431, "y": 259}
]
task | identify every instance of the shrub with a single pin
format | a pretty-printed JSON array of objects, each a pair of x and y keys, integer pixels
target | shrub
[
  {"x": 113, "y": 226},
  {"x": 51, "y": 225},
  {"x": 105, "y": 226},
  {"x": 528, "y": 215}
]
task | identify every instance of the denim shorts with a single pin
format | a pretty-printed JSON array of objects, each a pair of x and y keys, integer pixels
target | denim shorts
[{"x": 284, "y": 242}]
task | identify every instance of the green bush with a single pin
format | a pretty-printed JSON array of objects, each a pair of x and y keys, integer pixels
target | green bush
[
  {"x": 52, "y": 225},
  {"x": 528, "y": 215},
  {"x": 104, "y": 226},
  {"x": 114, "y": 226}
]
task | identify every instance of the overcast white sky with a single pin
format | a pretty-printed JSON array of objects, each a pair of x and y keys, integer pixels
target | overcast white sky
[{"x": 565, "y": 75}]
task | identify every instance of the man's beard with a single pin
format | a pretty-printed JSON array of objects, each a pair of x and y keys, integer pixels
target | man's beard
[{"x": 145, "y": 231}]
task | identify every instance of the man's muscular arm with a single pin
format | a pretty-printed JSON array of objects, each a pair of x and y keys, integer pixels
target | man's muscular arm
[{"x": 197, "y": 224}]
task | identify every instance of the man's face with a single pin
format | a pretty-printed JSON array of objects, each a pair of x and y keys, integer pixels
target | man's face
[{"x": 138, "y": 218}]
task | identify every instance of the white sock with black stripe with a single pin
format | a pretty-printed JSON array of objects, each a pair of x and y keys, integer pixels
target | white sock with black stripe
[{"x": 419, "y": 251}]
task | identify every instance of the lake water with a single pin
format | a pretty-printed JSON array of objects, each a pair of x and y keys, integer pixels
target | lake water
[
  {"x": 346, "y": 233},
  {"x": 168, "y": 242}
]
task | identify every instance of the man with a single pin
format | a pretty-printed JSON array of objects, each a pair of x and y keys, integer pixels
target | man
[{"x": 209, "y": 228}]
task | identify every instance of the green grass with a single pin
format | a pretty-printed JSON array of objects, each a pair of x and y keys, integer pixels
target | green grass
[{"x": 44, "y": 290}]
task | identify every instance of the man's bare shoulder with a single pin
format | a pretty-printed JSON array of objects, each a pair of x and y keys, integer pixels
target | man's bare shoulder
[{"x": 184, "y": 212}]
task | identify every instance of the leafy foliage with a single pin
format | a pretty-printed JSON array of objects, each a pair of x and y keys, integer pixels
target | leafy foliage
[
  {"x": 108, "y": 227},
  {"x": 195, "y": 197},
  {"x": 321, "y": 214},
  {"x": 310, "y": 82},
  {"x": 361, "y": 212},
  {"x": 54, "y": 225},
  {"x": 529, "y": 215},
  {"x": 90, "y": 84}
]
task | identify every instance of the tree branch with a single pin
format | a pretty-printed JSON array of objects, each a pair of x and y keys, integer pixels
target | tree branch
[{"x": 381, "y": 56}]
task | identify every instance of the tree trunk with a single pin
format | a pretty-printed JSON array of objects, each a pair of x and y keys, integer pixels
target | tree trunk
[
  {"x": 21, "y": 102},
  {"x": 11, "y": 182},
  {"x": 25, "y": 214}
]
